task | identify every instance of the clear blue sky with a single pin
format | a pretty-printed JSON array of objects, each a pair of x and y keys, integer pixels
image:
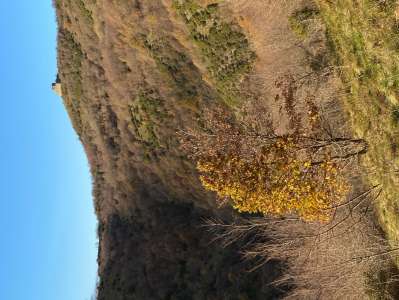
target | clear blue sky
[{"x": 48, "y": 245}]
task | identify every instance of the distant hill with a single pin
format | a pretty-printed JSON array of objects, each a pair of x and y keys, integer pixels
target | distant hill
[{"x": 134, "y": 74}]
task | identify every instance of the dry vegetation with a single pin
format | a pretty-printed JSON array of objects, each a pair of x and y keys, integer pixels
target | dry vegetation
[
  {"x": 129, "y": 84},
  {"x": 343, "y": 259},
  {"x": 326, "y": 235},
  {"x": 271, "y": 174},
  {"x": 222, "y": 45},
  {"x": 265, "y": 131},
  {"x": 364, "y": 38}
]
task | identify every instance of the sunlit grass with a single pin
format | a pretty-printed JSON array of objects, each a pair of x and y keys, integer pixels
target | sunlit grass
[{"x": 364, "y": 36}]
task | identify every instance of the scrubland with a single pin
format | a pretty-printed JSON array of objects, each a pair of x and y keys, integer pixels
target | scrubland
[{"x": 238, "y": 149}]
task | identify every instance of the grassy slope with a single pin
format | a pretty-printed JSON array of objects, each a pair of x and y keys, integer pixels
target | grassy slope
[
  {"x": 145, "y": 176},
  {"x": 364, "y": 35}
]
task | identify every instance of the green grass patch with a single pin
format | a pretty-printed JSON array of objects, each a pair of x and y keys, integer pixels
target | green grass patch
[
  {"x": 364, "y": 37},
  {"x": 223, "y": 46}
]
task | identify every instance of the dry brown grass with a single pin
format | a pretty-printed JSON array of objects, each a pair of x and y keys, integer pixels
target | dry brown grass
[
  {"x": 337, "y": 260},
  {"x": 133, "y": 174},
  {"x": 364, "y": 39}
]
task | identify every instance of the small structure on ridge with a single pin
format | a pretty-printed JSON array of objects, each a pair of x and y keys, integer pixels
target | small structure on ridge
[{"x": 56, "y": 86}]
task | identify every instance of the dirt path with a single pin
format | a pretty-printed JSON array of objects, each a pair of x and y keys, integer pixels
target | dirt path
[{"x": 291, "y": 71}]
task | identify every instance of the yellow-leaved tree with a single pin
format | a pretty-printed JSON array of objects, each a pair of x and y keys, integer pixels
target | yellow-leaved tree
[{"x": 270, "y": 174}]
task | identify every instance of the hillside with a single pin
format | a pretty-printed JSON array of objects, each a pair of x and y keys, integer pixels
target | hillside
[{"x": 135, "y": 74}]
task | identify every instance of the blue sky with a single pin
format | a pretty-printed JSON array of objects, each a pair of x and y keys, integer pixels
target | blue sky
[{"x": 47, "y": 224}]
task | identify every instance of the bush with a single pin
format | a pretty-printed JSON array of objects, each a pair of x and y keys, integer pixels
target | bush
[{"x": 223, "y": 46}]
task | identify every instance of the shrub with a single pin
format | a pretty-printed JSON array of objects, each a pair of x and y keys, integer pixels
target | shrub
[
  {"x": 147, "y": 113},
  {"x": 223, "y": 46}
]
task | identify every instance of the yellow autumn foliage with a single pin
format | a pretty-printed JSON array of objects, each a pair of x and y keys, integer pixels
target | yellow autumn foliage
[{"x": 275, "y": 181}]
